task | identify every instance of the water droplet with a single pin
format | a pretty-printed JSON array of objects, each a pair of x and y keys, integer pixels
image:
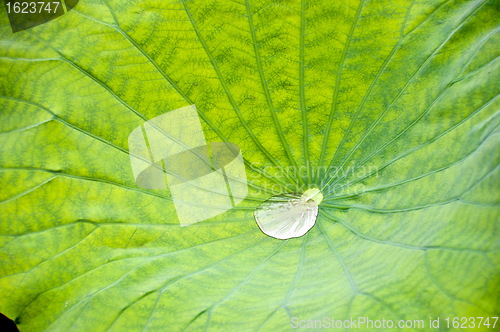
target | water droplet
[{"x": 289, "y": 215}]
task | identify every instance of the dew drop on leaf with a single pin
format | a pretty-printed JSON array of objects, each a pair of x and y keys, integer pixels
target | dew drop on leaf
[{"x": 291, "y": 215}]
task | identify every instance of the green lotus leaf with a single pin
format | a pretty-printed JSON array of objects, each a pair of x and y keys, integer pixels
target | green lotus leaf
[{"x": 390, "y": 108}]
